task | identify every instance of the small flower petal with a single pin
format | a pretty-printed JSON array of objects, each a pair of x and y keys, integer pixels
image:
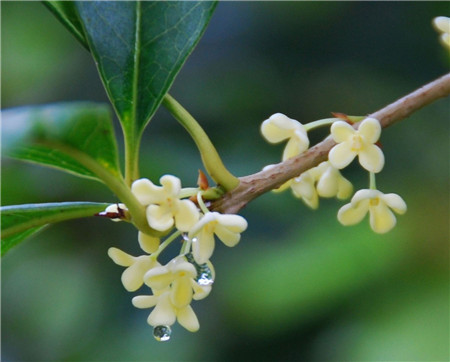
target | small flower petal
[
  {"x": 158, "y": 278},
  {"x": 370, "y": 129},
  {"x": 395, "y": 202},
  {"x": 133, "y": 276},
  {"x": 159, "y": 217},
  {"x": 381, "y": 218},
  {"x": 120, "y": 257},
  {"x": 182, "y": 292},
  {"x": 164, "y": 313},
  {"x": 371, "y": 158},
  {"x": 146, "y": 192},
  {"x": 203, "y": 246},
  {"x": 341, "y": 131},
  {"x": 186, "y": 216},
  {"x": 341, "y": 155},
  {"x": 187, "y": 318},
  {"x": 278, "y": 128},
  {"x": 170, "y": 184},
  {"x": 144, "y": 301},
  {"x": 228, "y": 237},
  {"x": 148, "y": 243},
  {"x": 351, "y": 215}
]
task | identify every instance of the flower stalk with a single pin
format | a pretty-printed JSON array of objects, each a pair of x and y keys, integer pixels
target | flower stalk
[{"x": 211, "y": 159}]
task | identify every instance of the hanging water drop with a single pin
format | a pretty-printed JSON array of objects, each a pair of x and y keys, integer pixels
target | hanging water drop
[
  {"x": 205, "y": 274},
  {"x": 162, "y": 333}
]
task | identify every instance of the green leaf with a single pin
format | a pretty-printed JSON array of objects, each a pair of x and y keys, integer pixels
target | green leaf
[
  {"x": 13, "y": 240},
  {"x": 75, "y": 137},
  {"x": 20, "y": 221},
  {"x": 139, "y": 47},
  {"x": 67, "y": 14}
]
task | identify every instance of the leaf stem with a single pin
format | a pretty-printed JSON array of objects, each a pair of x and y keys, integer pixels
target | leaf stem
[{"x": 211, "y": 159}]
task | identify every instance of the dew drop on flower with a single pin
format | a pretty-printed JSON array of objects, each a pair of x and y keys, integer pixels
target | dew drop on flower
[
  {"x": 162, "y": 333},
  {"x": 204, "y": 272}
]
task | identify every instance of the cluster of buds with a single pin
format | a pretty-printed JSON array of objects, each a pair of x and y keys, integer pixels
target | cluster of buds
[
  {"x": 170, "y": 209},
  {"x": 325, "y": 180}
]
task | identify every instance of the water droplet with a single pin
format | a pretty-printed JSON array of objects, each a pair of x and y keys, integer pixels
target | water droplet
[
  {"x": 204, "y": 273},
  {"x": 162, "y": 333}
]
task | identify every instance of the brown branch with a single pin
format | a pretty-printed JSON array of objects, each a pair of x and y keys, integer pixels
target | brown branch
[{"x": 261, "y": 182}]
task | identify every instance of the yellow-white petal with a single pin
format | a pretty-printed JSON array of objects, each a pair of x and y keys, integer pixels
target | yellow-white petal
[
  {"x": 297, "y": 144},
  {"x": 395, "y": 202},
  {"x": 159, "y": 217},
  {"x": 203, "y": 246},
  {"x": 381, "y": 218},
  {"x": 144, "y": 301},
  {"x": 341, "y": 131},
  {"x": 164, "y": 313},
  {"x": 234, "y": 223},
  {"x": 345, "y": 188},
  {"x": 278, "y": 128},
  {"x": 186, "y": 216},
  {"x": 181, "y": 294},
  {"x": 158, "y": 278},
  {"x": 133, "y": 277},
  {"x": 148, "y": 243},
  {"x": 170, "y": 184},
  {"x": 351, "y": 215},
  {"x": 120, "y": 257},
  {"x": 370, "y": 129},
  {"x": 187, "y": 318},
  {"x": 371, "y": 158},
  {"x": 328, "y": 183},
  {"x": 228, "y": 237},
  {"x": 341, "y": 155},
  {"x": 146, "y": 192}
]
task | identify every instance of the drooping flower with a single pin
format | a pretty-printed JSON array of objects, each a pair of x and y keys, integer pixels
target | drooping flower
[
  {"x": 304, "y": 188},
  {"x": 352, "y": 143},
  {"x": 279, "y": 128},
  {"x": 165, "y": 312},
  {"x": 442, "y": 25},
  {"x": 137, "y": 266},
  {"x": 226, "y": 227},
  {"x": 324, "y": 181},
  {"x": 164, "y": 208},
  {"x": 379, "y": 206},
  {"x": 331, "y": 183},
  {"x": 174, "y": 286}
]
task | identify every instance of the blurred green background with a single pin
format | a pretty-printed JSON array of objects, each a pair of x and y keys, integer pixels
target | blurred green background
[{"x": 299, "y": 286}]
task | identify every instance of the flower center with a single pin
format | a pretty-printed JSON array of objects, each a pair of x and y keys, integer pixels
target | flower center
[
  {"x": 356, "y": 143},
  {"x": 375, "y": 201}
]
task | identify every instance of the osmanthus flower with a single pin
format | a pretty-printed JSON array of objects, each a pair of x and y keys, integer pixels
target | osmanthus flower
[
  {"x": 379, "y": 206},
  {"x": 164, "y": 207},
  {"x": 227, "y": 228},
  {"x": 137, "y": 266},
  {"x": 174, "y": 286},
  {"x": 331, "y": 183},
  {"x": 324, "y": 181},
  {"x": 279, "y": 128},
  {"x": 304, "y": 188},
  {"x": 442, "y": 24},
  {"x": 352, "y": 143}
]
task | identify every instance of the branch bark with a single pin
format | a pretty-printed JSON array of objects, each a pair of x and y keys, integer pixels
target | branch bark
[{"x": 252, "y": 186}]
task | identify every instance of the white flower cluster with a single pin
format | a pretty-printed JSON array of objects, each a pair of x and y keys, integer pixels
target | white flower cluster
[
  {"x": 325, "y": 180},
  {"x": 189, "y": 275}
]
